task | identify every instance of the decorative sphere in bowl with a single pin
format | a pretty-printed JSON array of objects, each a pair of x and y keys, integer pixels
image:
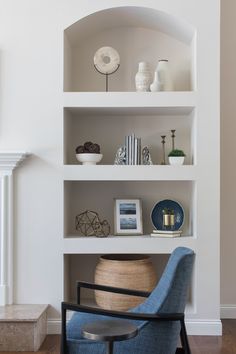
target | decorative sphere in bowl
[{"x": 89, "y": 159}]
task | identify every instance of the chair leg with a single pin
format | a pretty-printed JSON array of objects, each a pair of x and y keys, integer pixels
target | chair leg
[
  {"x": 63, "y": 332},
  {"x": 109, "y": 347},
  {"x": 184, "y": 339}
]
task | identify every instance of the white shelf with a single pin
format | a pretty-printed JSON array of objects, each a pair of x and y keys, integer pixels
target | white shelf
[
  {"x": 125, "y": 244},
  {"x": 130, "y": 173},
  {"x": 172, "y": 102}
]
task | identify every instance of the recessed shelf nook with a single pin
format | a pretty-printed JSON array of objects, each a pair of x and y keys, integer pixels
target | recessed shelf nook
[
  {"x": 99, "y": 196},
  {"x": 109, "y": 126},
  {"x": 82, "y": 267},
  {"x": 138, "y": 34}
]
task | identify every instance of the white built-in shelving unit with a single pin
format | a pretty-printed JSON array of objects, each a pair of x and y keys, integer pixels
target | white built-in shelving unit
[{"x": 89, "y": 113}]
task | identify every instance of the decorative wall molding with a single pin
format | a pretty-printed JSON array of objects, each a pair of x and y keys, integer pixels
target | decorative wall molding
[
  {"x": 8, "y": 162},
  {"x": 194, "y": 327},
  {"x": 228, "y": 311},
  {"x": 10, "y": 159}
]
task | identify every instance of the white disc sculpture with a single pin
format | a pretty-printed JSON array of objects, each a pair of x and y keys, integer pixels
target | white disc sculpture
[{"x": 106, "y": 60}]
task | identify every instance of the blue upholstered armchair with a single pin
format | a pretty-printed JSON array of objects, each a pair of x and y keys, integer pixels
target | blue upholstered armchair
[{"x": 160, "y": 318}]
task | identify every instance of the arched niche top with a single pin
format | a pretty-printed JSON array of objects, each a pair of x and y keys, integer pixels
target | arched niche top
[{"x": 130, "y": 16}]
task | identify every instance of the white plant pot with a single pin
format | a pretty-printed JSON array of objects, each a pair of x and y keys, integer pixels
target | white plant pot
[
  {"x": 89, "y": 159},
  {"x": 176, "y": 160}
]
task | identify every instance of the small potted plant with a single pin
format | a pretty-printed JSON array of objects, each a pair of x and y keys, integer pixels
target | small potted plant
[
  {"x": 89, "y": 153},
  {"x": 176, "y": 157}
]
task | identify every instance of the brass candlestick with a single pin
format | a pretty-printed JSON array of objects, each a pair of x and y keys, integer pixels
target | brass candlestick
[
  {"x": 173, "y": 138},
  {"x": 163, "y": 149},
  {"x": 168, "y": 219}
]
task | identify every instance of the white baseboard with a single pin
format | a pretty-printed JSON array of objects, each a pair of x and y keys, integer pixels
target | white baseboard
[
  {"x": 204, "y": 327},
  {"x": 228, "y": 311},
  {"x": 54, "y": 326},
  {"x": 194, "y": 327}
]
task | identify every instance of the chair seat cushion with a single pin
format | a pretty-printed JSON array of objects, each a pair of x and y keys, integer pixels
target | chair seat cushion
[{"x": 153, "y": 338}]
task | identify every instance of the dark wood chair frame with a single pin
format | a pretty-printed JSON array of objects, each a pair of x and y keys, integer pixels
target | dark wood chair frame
[{"x": 120, "y": 314}]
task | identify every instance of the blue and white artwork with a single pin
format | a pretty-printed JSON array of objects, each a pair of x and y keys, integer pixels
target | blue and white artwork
[
  {"x": 128, "y": 209},
  {"x": 128, "y": 223}
]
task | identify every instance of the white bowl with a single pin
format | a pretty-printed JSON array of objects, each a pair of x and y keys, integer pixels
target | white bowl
[
  {"x": 176, "y": 160},
  {"x": 89, "y": 159}
]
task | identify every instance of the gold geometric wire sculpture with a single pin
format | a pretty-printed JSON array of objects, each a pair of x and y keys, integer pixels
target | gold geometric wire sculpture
[{"x": 89, "y": 224}]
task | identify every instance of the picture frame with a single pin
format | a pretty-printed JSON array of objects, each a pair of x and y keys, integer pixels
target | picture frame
[{"x": 128, "y": 217}]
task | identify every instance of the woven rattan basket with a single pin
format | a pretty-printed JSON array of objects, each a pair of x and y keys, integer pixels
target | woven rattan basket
[{"x": 123, "y": 271}]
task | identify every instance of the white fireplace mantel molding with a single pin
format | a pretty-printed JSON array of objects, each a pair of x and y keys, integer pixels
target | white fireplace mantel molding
[{"x": 9, "y": 160}]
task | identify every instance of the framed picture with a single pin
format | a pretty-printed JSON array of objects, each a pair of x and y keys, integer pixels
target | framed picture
[{"x": 128, "y": 217}]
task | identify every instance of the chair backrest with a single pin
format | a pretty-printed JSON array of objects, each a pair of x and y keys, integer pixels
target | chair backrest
[{"x": 170, "y": 294}]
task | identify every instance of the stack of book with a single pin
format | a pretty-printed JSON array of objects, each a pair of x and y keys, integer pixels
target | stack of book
[
  {"x": 133, "y": 150},
  {"x": 163, "y": 233}
]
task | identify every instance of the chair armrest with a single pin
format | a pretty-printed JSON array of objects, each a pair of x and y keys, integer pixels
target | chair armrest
[
  {"x": 111, "y": 289},
  {"x": 121, "y": 314}
]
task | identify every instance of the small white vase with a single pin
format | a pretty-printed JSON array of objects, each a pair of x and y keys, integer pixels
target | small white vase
[
  {"x": 143, "y": 78},
  {"x": 156, "y": 84},
  {"x": 164, "y": 76}
]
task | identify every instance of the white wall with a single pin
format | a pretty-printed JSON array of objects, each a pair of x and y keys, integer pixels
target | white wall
[
  {"x": 31, "y": 120},
  {"x": 31, "y": 74}
]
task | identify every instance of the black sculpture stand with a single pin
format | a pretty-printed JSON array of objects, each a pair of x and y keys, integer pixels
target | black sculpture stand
[{"x": 107, "y": 74}]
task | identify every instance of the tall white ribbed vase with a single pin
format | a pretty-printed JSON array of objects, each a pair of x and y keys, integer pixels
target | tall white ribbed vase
[
  {"x": 143, "y": 78},
  {"x": 165, "y": 82}
]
